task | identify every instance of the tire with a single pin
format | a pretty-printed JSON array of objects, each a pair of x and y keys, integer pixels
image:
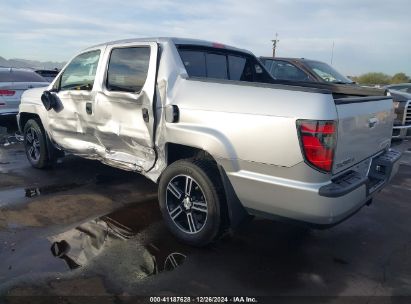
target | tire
[
  {"x": 35, "y": 144},
  {"x": 196, "y": 216}
]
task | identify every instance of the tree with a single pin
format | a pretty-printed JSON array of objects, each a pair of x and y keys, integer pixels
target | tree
[
  {"x": 400, "y": 78},
  {"x": 374, "y": 78}
]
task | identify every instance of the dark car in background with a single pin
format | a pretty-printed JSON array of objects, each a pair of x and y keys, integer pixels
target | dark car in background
[
  {"x": 303, "y": 71},
  {"x": 13, "y": 82},
  {"x": 313, "y": 73},
  {"x": 49, "y": 75}
]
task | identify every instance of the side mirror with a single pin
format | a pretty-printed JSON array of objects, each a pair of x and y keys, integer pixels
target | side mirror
[{"x": 49, "y": 100}]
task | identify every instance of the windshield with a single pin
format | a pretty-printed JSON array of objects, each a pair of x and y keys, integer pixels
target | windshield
[{"x": 327, "y": 73}]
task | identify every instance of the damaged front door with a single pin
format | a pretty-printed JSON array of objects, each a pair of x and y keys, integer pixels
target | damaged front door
[
  {"x": 124, "y": 117},
  {"x": 69, "y": 122}
]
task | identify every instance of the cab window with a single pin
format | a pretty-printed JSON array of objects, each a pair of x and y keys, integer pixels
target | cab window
[
  {"x": 216, "y": 66},
  {"x": 208, "y": 62},
  {"x": 81, "y": 72},
  {"x": 127, "y": 69}
]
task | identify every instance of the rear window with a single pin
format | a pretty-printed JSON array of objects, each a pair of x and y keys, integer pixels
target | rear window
[
  {"x": 194, "y": 63},
  {"x": 20, "y": 76},
  {"x": 216, "y": 66},
  {"x": 222, "y": 64},
  {"x": 236, "y": 65}
]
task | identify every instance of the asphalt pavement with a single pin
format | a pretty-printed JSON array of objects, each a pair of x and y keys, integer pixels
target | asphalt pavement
[{"x": 83, "y": 228}]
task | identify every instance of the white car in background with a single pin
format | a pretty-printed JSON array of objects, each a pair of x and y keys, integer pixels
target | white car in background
[
  {"x": 13, "y": 82},
  {"x": 401, "y": 95}
]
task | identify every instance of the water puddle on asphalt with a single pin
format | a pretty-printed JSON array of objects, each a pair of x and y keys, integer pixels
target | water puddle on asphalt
[
  {"x": 16, "y": 196},
  {"x": 11, "y": 195},
  {"x": 32, "y": 192},
  {"x": 97, "y": 244},
  {"x": 79, "y": 246}
]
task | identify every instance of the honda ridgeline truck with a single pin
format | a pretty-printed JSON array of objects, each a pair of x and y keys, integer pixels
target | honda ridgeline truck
[{"x": 221, "y": 138}]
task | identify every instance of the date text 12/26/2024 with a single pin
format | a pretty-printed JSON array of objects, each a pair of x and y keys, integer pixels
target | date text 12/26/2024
[{"x": 238, "y": 299}]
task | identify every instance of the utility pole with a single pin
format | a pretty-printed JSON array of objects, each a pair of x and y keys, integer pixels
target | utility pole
[
  {"x": 332, "y": 53},
  {"x": 275, "y": 41}
]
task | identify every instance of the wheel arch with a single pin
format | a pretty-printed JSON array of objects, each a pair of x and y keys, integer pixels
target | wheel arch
[
  {"x": 24, "y": 117},
  {"x": 235, "y": 211},
  {"x": 174, "y": 152}
]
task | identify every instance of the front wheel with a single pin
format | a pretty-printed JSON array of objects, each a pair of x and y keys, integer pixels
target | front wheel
[
  {"x": 35, "y": 144},
  {"x": 192, "y": 201}
]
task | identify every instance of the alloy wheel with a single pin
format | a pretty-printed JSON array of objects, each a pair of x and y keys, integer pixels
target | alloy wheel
[
  {"x": 33, "y": 144},
  {"x": 186, "y": 204}
]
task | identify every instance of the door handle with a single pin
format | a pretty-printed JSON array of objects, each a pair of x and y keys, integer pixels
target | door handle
[{"x": 89, "y": 108}]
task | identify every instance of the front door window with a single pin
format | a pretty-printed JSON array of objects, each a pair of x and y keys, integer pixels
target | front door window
[{"x": 80, "y": 73}]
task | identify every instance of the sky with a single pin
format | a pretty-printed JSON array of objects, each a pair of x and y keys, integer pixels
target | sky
[{"x": 368, "y": 35}]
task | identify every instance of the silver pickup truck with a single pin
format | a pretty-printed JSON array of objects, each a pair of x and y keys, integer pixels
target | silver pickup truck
[{"x": 208, "y": 124}]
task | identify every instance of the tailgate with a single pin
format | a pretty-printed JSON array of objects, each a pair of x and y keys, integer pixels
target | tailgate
[{"x": 364, "y": 129}]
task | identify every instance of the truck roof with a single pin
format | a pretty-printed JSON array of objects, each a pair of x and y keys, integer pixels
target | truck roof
[
  {"x": 289, "y": 59},
  {"x": 174, "y": 40}
]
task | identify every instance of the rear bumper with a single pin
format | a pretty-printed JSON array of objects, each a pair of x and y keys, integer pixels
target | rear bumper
[
  {"x": 381, "y": 170},
  {"x": 315, "y": 203}
]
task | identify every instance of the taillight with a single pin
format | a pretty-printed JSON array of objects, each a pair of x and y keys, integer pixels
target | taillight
[
  {"x": 7, "y": 92},
  {"x": 318, "y": 139}
]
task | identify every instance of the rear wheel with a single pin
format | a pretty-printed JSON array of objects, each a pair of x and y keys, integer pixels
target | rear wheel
[
  {"x": 192, "y": 201},
  {"x": 35, "y": 144}
]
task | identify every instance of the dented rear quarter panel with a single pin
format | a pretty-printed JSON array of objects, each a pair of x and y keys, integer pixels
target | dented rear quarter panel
[{"x": 244, "y": 122}]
